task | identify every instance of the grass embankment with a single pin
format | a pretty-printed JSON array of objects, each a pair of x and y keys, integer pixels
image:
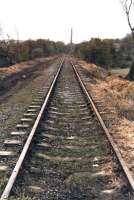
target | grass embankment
[{"x": 120, "y": 72}]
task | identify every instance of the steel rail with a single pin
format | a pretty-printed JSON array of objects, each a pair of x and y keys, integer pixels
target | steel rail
[
  {"x": 121, "y": 161},
  {"x": 22, "y": 156}
]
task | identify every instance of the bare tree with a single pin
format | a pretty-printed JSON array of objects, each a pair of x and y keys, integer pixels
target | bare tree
[
  {"x": 17, "y": 45},
  {"x": 3, "y": 49},
  {"x": 128, "y": 6},
  {"x": 1, "y": 33}
]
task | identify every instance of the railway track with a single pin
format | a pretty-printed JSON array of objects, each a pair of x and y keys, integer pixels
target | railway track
[{"x": 68, "y": 154}]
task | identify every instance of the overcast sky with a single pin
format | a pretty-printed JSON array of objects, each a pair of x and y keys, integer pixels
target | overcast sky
[{"x": 53, "y": 19}]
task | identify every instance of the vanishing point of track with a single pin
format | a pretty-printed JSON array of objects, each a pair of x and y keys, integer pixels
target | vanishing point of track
[{"x": 57, "y": 139}]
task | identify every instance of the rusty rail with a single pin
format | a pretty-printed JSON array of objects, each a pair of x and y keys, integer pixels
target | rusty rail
[
  {"x": 115, "y": 148},
  {"x": 22, "y": 156}
]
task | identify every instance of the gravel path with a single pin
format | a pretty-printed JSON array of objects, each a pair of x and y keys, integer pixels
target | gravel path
[{"x": 16, "y": 100}]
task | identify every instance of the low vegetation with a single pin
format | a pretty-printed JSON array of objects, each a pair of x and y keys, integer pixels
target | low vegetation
[
  {"x": 108, "y": 53},
  {"x": 12, "y": 51},
  {"x": 120, "y": 72}
]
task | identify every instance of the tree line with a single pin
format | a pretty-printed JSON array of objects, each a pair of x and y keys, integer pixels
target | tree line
[
  {"x": 112, "y": 53},
  {"x": 13, "y": 51},
  {"x": 108, "y": 53}
]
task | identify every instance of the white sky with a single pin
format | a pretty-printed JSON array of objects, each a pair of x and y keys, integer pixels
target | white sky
[{"x": 53, "y": 19}]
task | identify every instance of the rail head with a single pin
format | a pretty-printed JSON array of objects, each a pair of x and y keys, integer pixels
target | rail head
[
  {"x": 121, "y": 161},
  {"x": 15, "y": 172}
]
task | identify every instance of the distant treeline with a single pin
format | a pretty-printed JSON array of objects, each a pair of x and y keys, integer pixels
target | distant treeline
[
  {"x": 12, "y": 51},
  {"x": 108, "y": 53}
]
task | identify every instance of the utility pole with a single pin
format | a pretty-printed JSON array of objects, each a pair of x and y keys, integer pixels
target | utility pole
[
  {"x": 71, "y": 42},
  {"x": 18, "y": 43}
]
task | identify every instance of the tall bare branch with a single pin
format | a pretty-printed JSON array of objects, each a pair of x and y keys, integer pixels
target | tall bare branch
[{"x": 127, "y": 6}]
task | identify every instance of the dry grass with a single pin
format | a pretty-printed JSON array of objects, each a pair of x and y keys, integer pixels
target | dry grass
[
  {"x": 120, "y": 72},
  {"x": 117, "y": 95},
  {"x": 116, "y": 91},
  {"x": 19, "y": 67}
]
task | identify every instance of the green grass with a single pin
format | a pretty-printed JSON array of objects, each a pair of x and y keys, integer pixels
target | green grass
[
  {"x": 21, "y": 198},
  {"x": 120, "y": 71}
]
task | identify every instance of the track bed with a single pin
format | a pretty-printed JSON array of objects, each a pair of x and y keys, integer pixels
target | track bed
[{"x": 70, "y": 158}]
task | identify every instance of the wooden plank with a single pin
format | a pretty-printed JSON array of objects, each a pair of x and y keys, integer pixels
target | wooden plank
[
  {"x": 7, "y": 153},
  {"x": 13, "y": 142},
  {"x": 19, "y": 133},
  {"x": 22, "y": 126}
]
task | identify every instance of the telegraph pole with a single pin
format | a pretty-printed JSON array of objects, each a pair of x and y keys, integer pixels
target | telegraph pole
[
  {"x": 18, "y": 43},
  {"x": 71, "y": 42}
]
